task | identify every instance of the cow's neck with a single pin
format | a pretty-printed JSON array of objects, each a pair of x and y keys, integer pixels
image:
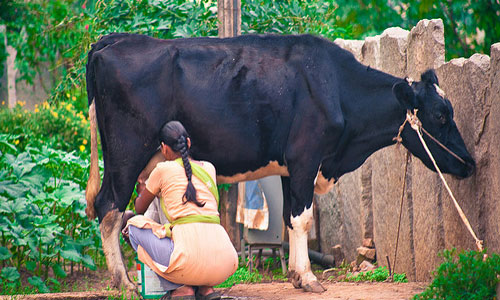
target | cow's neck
[{"x": 373, "y": 127}]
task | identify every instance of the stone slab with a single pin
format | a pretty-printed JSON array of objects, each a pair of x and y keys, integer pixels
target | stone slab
[
  {"x": 465, "y": 82},
  {"x": 491, "y": 184},
  {"x": 425, "y": 47}
]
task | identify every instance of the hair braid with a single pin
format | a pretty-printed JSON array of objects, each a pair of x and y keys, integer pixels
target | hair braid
[{"x": 190, "y": 194}]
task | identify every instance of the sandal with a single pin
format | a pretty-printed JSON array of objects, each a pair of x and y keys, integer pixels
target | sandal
[
  {"x": 168, "y": 296},
  {"x": 211, "y": 296}
]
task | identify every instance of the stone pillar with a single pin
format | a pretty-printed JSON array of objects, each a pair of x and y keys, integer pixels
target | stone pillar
[
  {"x": 426, "y": 50},
  {"x": 425, "y": 47},
  {"x": 491, "y": 184},
  {"x": 229, "y": 14},
  {"x": 370, "y": 52},
  {"x": 341, "y": 217},
  {"x": 353, "y": 46},
  {"x": 388, "y": 173},
  {"x": 465, "y": 82}
]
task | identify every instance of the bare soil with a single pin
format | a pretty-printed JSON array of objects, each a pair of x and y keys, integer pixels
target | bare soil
[
  {"x": 335, "y": 290},
  {"x": 96, "y": 285}
]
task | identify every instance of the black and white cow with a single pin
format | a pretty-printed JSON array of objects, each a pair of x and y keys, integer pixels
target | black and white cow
[{"x": 296, "y": 106}]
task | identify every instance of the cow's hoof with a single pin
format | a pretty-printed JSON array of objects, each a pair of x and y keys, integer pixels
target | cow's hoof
[
  {"x": 295, "y": 279},
  {"x": 313, "y": 287}
]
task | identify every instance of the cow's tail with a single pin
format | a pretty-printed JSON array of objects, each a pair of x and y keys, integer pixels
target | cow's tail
[{"x": 94, "y": 182}]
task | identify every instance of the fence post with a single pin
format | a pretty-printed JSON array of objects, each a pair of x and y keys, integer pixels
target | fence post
[{"x": 229, "y": 15}]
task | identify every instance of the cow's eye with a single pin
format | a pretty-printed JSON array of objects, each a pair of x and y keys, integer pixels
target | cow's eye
[{"x": 441, "y": 118}]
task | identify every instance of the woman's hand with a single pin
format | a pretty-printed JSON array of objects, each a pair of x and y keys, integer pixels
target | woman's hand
[{"x": 126, "y": 215}]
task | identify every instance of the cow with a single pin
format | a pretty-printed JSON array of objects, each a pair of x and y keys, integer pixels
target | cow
[{"x": 297, "y": 106}]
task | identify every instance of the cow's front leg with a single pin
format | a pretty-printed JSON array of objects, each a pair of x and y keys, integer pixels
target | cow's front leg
[
  {"x": 300, "y": 266},
  {"x": 110, "y": 235}
]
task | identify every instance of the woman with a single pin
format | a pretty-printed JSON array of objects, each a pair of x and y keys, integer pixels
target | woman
[{"x": 193, "y": 252}]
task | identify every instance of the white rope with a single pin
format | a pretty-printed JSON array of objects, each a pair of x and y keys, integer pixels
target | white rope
[{"x": 416, "y": 125}]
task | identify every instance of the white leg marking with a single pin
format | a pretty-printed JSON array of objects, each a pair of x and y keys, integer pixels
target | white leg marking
[{"x": 298, "y": 250}]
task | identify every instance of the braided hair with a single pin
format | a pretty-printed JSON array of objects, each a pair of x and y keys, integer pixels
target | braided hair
[{"x": 174, "y": 135}]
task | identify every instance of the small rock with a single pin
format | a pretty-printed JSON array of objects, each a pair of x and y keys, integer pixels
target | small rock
[
  {"x": 353, "y": 264},
  {"x": 366, "y": 266},
  {"x": 368, "y": 243},
  {"x": 338, "y": 256},
  {"x": 367, "y": 252}
]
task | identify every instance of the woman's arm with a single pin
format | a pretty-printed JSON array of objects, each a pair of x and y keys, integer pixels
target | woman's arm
[{"x": 143, "y": 201}]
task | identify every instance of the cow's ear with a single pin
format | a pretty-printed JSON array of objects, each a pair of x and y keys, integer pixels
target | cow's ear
[
  {"x": 405, "y": 95},
  {"x": 429, "y": 77}
]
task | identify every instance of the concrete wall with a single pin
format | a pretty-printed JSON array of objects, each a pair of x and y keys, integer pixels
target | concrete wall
[{"x": 367, "y": 201}]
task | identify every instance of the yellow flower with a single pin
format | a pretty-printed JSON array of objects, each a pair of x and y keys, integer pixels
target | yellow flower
[
  {"x": 68, "y": 95},
  {"x": 36, "y": 110},
  {"x": 54, "y": 114},
  {"x": 16, "y": 142},
  {"x": 74, "y": 98},
  {"x": 45, "y": 105},
  {"x": 25, "y": 111},
  {"x": 69, "y": 106},
  {"x": 84, "y": 141},
  {"x": 82, "y": 148},
  {"x": 75, "y": 133},
  {"x": 21, "y": 103},
  {"x": 3, "y": 102}
]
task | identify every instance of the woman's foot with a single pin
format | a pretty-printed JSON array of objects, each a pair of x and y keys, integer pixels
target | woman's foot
[
  {"x": 185, "y": 292},
  {"x": 207, "y": 293}
]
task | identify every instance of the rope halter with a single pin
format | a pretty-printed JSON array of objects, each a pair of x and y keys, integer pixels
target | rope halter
[{"x": 412, "y": 119}]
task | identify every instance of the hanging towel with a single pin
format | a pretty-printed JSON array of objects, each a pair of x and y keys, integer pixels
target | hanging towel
[{"x": 252, "y": 210}]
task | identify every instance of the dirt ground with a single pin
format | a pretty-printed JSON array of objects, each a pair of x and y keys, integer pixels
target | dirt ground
[
  {"x": 96, "y": 286},
  {"x": 271, "y": 291},
  {"x": 335, "y": 290}
]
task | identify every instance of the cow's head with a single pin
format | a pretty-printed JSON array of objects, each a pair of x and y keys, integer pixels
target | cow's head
[{"x": 436, "y": 114}]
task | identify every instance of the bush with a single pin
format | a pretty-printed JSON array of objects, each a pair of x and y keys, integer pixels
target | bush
[
  {"x": 59, "y": 126},
  {"x": 379, "y": 274},
  {"x": 464, "y": 275},
  {"x": 42, "y": 212}
]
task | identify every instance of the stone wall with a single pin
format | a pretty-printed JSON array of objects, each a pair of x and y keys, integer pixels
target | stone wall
[{"x": 366, "y": 202}]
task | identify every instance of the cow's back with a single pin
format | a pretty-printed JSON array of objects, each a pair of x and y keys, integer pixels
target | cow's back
[{"x": 237, "y": 97}]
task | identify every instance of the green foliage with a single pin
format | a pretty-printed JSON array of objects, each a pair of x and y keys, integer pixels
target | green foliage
[
  {"x": 464, "y": 275},
  {"x": 292, "y": 17},
  {"x": 241, "y": 276},
  {"x": 469, "y": 26},
  {"x": 42, "y": 212},
  {"x": 58, "y": 34},
  {"x": 61, "y": 126},
  {"x": 379, "y": 274}
]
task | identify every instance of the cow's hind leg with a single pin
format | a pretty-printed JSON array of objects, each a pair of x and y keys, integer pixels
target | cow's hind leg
[{"x": 110, "y": 235}]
